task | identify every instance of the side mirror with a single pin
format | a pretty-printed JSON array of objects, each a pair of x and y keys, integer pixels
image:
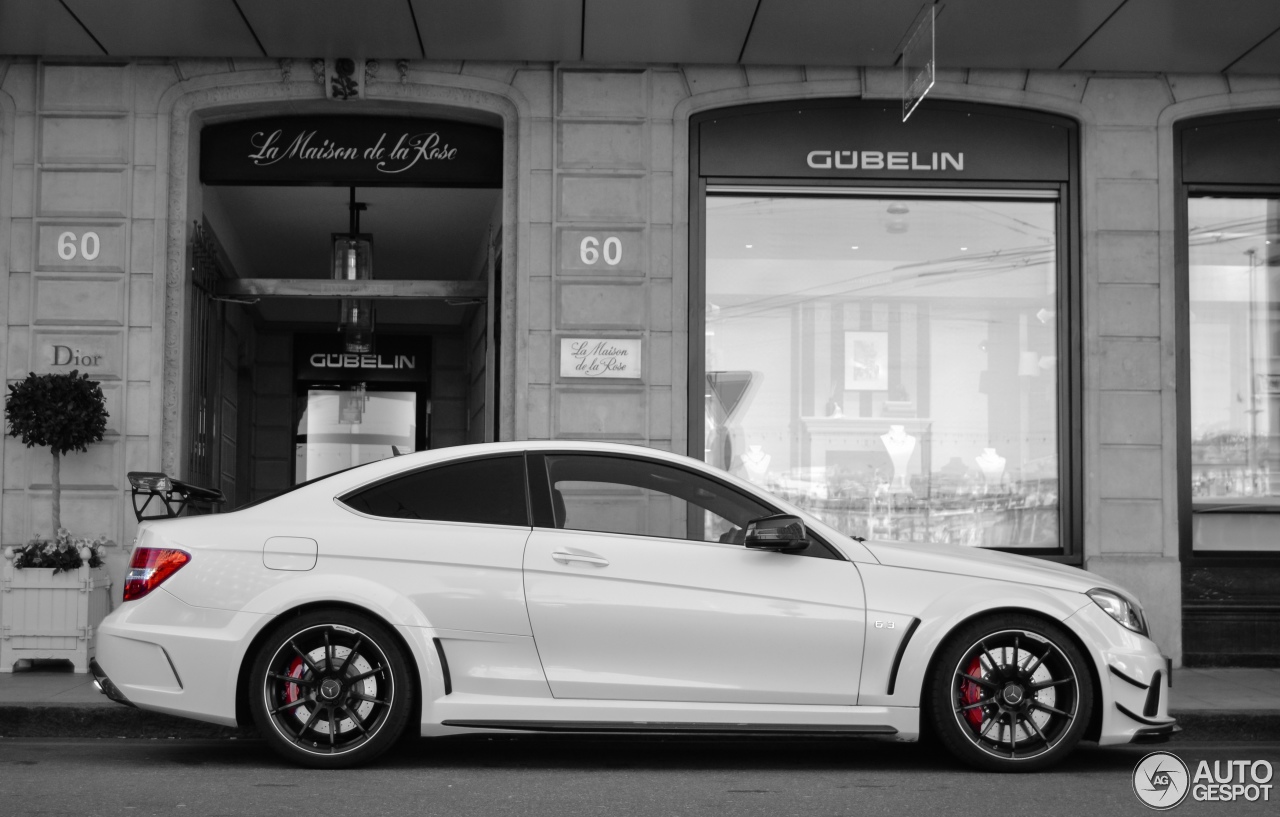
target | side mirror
[{"x": 779, "y": 533}]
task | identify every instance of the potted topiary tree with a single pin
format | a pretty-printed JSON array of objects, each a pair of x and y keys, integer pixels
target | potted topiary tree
[{"x": 55, "y": 591}]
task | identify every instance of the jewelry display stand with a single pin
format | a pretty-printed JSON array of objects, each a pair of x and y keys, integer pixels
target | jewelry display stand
[
  {"x": 992, "y": 465},
  {"x": 756, "y": 463},
  {"x": 900, "y": 446}
]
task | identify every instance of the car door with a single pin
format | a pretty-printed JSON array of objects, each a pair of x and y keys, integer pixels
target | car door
[
  {"x": 639, "y": 588},
  {"x": 448, "y": 537}
]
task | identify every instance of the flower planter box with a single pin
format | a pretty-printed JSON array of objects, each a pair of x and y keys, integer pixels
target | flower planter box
[{"x": 43, "y": 615}]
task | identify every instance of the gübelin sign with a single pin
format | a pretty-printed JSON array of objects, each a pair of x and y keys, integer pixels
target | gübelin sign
[
  {"x": 866, "y": 139},
  {"x": 368, "y": 151},
  {"x": 885, "y": 160},
  {"x": 352, "y": 360},
  {"x": 395, "y": 358}
]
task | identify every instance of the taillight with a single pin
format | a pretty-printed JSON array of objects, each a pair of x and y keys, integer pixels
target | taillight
[{"x": 149, "y": 568}]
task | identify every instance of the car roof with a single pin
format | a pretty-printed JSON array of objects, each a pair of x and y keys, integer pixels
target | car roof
[{"x": 344, "y": 481}]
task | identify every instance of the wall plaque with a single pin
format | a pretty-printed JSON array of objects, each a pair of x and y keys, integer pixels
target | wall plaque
[
  {"x": 600, "y": 357},
  {"x": 369, "y": 151}
]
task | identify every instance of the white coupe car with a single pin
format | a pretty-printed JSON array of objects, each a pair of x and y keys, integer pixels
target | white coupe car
[{"x": 599, "y": 588}]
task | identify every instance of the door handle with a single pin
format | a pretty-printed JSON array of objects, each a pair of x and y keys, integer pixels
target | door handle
[{"x": 564, "y": 557}]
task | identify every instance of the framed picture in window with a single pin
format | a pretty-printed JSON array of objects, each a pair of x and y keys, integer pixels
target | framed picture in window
[
  {"x": 1271, "y": 380},
  {"x": 866, "y": 361}
]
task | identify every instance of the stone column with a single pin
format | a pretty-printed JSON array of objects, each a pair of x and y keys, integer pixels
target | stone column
[{"x": 1131, "y": 532}]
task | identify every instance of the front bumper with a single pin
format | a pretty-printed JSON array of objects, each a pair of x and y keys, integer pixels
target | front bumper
[
  {"x": 1156, "y": 734},
  {"x": 1135, "y": 681},
  {"x": 1155, "y": 696}
]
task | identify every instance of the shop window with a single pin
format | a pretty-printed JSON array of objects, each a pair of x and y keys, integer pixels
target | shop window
[
  {"x": 489, "y": 491},
  {"x": 890, "y": 361},
  {"x": 1234, "y": 340}
]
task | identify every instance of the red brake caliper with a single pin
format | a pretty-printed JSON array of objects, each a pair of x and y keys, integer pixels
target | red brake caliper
[
  {"x": 291, "y": 691},
  {"x": 971, "y": 693}
]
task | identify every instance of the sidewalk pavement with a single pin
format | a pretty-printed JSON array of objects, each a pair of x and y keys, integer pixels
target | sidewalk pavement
[{"x": 49, "y": 701}]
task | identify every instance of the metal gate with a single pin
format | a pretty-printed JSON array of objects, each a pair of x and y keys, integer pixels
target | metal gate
[{"x": 205, "y": 343}]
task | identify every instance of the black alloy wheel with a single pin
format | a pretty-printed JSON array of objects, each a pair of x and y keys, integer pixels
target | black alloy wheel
[
  {"x": 1011, "y": 693},
  {"x": 331, "y": 689}
]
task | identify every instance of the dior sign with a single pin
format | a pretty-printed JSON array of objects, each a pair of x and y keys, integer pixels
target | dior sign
[
  {"x": 71, "y": 356},
  {"x": 98, "y": 353},
  {"x": 352, "y": 150}
]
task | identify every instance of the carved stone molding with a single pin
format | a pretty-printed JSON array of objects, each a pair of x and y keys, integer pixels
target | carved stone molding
[{"x": 267, "y": 94}]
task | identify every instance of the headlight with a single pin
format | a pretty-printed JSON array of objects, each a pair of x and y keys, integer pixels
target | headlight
[{"x": 1120, "y": 608}]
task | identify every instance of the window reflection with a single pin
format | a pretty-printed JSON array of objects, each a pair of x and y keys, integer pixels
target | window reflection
[
  {"x": 889, "y": 364},
  {"x": 1234, "y": 287},
  {"x": 342, "y": 428}
]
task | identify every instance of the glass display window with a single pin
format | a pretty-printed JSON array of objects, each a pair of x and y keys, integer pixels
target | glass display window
[
  {"x": 889, "y": 360},
  {"x": 1233, "y": 285}
]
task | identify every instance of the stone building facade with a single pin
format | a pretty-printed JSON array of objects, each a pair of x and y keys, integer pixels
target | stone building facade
[{"x": 589, "y": 151}]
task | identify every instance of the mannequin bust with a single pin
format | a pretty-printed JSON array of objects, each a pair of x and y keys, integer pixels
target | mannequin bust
[
  {"x": 900, "y": 446},
  {"x": 992, "y": 465},
  {"x": 756, "y": 463}
]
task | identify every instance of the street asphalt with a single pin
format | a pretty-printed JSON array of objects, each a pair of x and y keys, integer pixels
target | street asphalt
[
  {"x": 573, "y": 776},
  {"x": 49, "y": 701}
]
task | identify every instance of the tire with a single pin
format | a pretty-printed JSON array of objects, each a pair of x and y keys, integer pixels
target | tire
[
  {"x": 330, "y": 689},
  {"x": 1010, "y": 693}
]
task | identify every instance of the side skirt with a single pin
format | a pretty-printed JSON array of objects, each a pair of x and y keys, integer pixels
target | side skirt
[{"x": 661, "y": 728}]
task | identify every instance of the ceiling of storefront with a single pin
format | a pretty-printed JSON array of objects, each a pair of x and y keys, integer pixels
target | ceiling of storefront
[
  {"x": 814, "y": 249},
  {"x": 418, "y": 234},
  {"x": 1237, "y": 36}
]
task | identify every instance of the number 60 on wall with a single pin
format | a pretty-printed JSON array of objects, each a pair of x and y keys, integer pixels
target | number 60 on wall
[
  {"x": 590, "y": 250},
  {"x": 87, "y": 246}
]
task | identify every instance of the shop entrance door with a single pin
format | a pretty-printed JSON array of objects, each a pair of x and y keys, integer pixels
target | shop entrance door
[
  {"x": 341, "y": 428},
  {"x": 355, "y": 249},
  {"x": 354, "y": 409}
]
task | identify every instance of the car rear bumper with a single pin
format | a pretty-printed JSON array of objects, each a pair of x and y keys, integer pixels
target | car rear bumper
[
  {"x": 163, "y": 655},
  {"x": 105, "y": 686}
]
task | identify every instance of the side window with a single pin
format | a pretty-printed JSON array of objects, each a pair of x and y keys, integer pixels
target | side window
[
  {"x": 490, "y": 491},
  {"x": 642, "y": 498}
]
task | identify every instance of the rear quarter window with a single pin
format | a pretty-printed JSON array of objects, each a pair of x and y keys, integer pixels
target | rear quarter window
[{"x": 488, "y": 491}]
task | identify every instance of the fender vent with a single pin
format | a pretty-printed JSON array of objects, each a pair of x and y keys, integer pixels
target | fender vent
[
  {"x": 444, "y": 667},
  {"x": 897, "y": 659}
]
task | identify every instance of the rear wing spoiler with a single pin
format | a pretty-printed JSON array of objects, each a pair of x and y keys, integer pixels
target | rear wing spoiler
[{"x": 174, "y": 495}]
